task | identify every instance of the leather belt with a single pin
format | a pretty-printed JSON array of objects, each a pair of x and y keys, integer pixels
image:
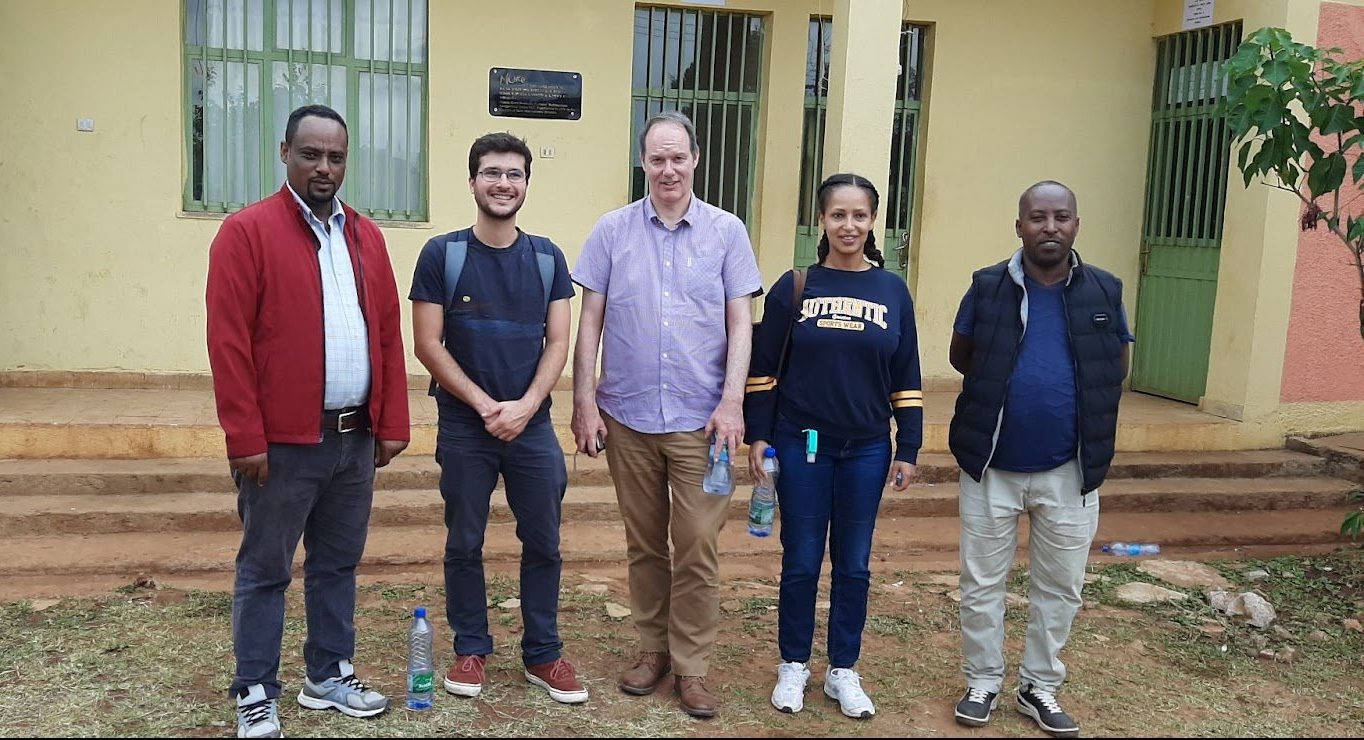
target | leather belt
[{"x": 345, "y": 420}]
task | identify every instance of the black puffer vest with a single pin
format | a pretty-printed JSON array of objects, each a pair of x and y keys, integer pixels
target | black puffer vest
[{"x": 1093, "y": 300}]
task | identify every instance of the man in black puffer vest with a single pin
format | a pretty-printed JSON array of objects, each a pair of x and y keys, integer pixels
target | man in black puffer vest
[{"x": 1041, "y": 339}]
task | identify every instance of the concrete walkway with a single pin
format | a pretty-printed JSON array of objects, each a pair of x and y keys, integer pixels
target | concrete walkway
[{"x": 139, "y": 424}]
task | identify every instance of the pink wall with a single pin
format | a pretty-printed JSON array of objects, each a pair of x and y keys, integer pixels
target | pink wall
[{"x": 1324, "y": 360}]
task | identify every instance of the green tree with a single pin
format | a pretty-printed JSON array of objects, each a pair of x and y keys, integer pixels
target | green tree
[{"x": 1295, "y": 111}]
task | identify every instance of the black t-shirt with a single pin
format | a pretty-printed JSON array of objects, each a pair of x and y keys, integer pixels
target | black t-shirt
[{"x": 495, "y": 326}]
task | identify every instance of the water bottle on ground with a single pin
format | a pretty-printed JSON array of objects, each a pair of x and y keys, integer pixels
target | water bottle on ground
[
  {"x": 762, "y": 507},
  {"x": 1130, "y": 549},
  {"x": 719, "y": 480},
  {"x": 421, "y": 672}
]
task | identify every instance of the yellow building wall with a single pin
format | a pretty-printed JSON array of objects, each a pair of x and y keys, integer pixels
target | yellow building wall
[
  {"x": 1022, "y": 92},
  {"x": 99, "y": 269},
  {"x": 96, "y": 270}
]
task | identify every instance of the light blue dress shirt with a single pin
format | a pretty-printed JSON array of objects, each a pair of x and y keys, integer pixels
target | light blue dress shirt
[{"x": 346, "y": 338}]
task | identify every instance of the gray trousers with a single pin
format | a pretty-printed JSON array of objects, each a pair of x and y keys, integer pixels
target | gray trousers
[
  {"x": 323, "y": 494},
  {"x": 1061, "y": 526}
]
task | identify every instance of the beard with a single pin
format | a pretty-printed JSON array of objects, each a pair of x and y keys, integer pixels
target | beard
[{"x": 486, "y": 210}]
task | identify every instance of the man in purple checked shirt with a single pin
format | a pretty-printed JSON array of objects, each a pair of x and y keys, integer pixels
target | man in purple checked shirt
[{"x": 667, "y": 285}]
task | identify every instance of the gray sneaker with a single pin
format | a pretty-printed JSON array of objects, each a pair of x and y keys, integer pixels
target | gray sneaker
[
  {"x": 257, "y": 716},
  {"x": 345, "y": 693}
]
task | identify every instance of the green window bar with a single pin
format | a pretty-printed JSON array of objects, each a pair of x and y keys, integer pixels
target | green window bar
[
  {"x": 897, "y": 208},
  {"x": 249, "y": 63},
  {"x": 1190, "y": 144},
  {"x": 708, "y": 65},
  {"x": 819, "y": 44},
  {"x": 897, "y": 205}
]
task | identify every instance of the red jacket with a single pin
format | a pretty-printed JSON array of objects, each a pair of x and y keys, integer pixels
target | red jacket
[{"x": 265, "y": 329}]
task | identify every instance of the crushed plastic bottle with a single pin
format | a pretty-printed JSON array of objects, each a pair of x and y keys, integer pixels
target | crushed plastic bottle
[{"x": 1130, "y": 549}]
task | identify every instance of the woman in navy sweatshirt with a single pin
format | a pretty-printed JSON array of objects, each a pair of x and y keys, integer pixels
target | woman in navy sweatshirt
[{"x": 852, "y": 362}]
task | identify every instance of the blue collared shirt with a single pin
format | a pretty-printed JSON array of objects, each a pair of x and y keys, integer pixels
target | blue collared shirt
[
  {"x": 664, "y": 337},
  {"x": 346, "y": 338}
]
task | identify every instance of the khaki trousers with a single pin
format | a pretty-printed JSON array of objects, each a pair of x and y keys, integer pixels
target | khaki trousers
[
  {"x": 1061, "y": 526},
  {"x": 674, "y": 596}
]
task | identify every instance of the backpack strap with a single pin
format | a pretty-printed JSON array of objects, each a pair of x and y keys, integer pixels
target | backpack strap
[
  {"x": 797, "y": 291},
  {"x": 456, "y": 252},
  {"x": 544, "y": 258}
]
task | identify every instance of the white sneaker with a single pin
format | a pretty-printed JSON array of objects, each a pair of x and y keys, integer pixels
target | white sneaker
[
  {"x": 789, "y": 695},
  {"x": 257, "y": 716},
  {"x": 844, "y": 686}
]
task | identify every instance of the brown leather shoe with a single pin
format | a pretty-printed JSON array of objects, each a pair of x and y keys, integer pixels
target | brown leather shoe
[
  {"x": 695, "y": 699},
  {"x": 643, "y": 678}
]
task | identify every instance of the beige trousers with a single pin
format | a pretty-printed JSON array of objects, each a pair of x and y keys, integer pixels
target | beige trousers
[{"x": 674, "y": 595}]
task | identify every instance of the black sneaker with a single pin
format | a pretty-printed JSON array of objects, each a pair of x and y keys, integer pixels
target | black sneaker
[
  {"x": 975, "y": 706},
  {"x": 1042, "y": 707}
]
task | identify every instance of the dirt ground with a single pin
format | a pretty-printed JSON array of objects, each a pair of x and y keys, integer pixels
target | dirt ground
[{"x": 150, "y": 661}]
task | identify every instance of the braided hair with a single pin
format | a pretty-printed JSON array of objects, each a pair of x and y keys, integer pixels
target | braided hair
[{"x": 831, "y": 182}]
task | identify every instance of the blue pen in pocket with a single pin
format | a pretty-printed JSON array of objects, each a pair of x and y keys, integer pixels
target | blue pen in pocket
[{"x": 811, "y": 444}]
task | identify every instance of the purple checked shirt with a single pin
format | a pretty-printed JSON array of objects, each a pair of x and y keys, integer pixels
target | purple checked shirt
[{"x": 664, "y": 341}]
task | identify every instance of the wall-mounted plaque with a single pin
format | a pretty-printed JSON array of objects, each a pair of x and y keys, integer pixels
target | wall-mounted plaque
[{"x": 535, "y": 93}]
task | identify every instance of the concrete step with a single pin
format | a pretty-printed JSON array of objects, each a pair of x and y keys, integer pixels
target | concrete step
[
  {"x": 129, "y": 555},
  {"x": 175, "y": 475},
  {"x": 216, "y": 512},
  {"x": 126, "y": 424}
]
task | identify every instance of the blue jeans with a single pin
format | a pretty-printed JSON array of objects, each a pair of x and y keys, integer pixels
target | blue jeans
[
  {"x": 323, "y": 494},
  {"x": 532, "y": 466},
  {"x": 835, "y": 498}
]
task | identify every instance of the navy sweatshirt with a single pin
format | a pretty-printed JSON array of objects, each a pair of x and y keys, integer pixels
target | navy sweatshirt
[{"x": 853, "y": 360}]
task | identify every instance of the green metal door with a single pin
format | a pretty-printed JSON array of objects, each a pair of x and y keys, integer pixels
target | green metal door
[
  {"x": 897, "y": 205},
  {"x": 1186, "y": 184}
]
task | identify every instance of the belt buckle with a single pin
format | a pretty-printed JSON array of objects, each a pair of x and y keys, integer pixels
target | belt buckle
[{"x": 342, "y": 418}]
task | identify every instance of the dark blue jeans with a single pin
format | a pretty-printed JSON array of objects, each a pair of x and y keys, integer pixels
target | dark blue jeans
[
  {"x": 833, "y": 499},
  {"x": 323, "y": 494},
  {"x": 532, "y": 466}
]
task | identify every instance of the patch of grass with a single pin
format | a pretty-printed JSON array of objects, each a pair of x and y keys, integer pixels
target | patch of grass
[
  {"x": 157, "y": 663},
  {"x": 887, "y": 625}
]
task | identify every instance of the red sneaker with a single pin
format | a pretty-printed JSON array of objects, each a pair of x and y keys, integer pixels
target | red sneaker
[
  {"x": 559, "y": 679},
  {"x": 466, "y": 675}
]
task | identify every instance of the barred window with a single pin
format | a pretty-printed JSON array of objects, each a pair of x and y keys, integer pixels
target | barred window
[
  {"x": 897, "y": 217},
  {"x": 249, "y": 63},
  {"x": 708, "y": 65}
]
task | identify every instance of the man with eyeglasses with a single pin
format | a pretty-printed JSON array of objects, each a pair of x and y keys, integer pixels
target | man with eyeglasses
[
  {"x": 490, "y": 322},
  {"x": 668, "y": 281}
]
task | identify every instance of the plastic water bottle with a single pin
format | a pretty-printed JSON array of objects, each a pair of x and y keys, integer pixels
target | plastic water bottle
[
  {"x": 719, "y": 480},
  {"x": 421, "y": 672},
  {"x": 762, "y": 507},
  {"x": 1130, "y": 549}
]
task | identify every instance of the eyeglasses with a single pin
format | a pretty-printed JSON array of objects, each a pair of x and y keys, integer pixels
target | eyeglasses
[{"x": 492, "y": 174}]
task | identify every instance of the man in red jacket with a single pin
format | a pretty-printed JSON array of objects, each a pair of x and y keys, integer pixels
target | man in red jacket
[{"x": 305, "y": 342}]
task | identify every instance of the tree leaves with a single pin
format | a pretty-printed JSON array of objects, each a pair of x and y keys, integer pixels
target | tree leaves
[
  {"x": 1339, "y": 119},
  {"x": 1327, "y": 175},
  {"x": 1288, "y": 119},
  {"x": 1277, "y": 72}
]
